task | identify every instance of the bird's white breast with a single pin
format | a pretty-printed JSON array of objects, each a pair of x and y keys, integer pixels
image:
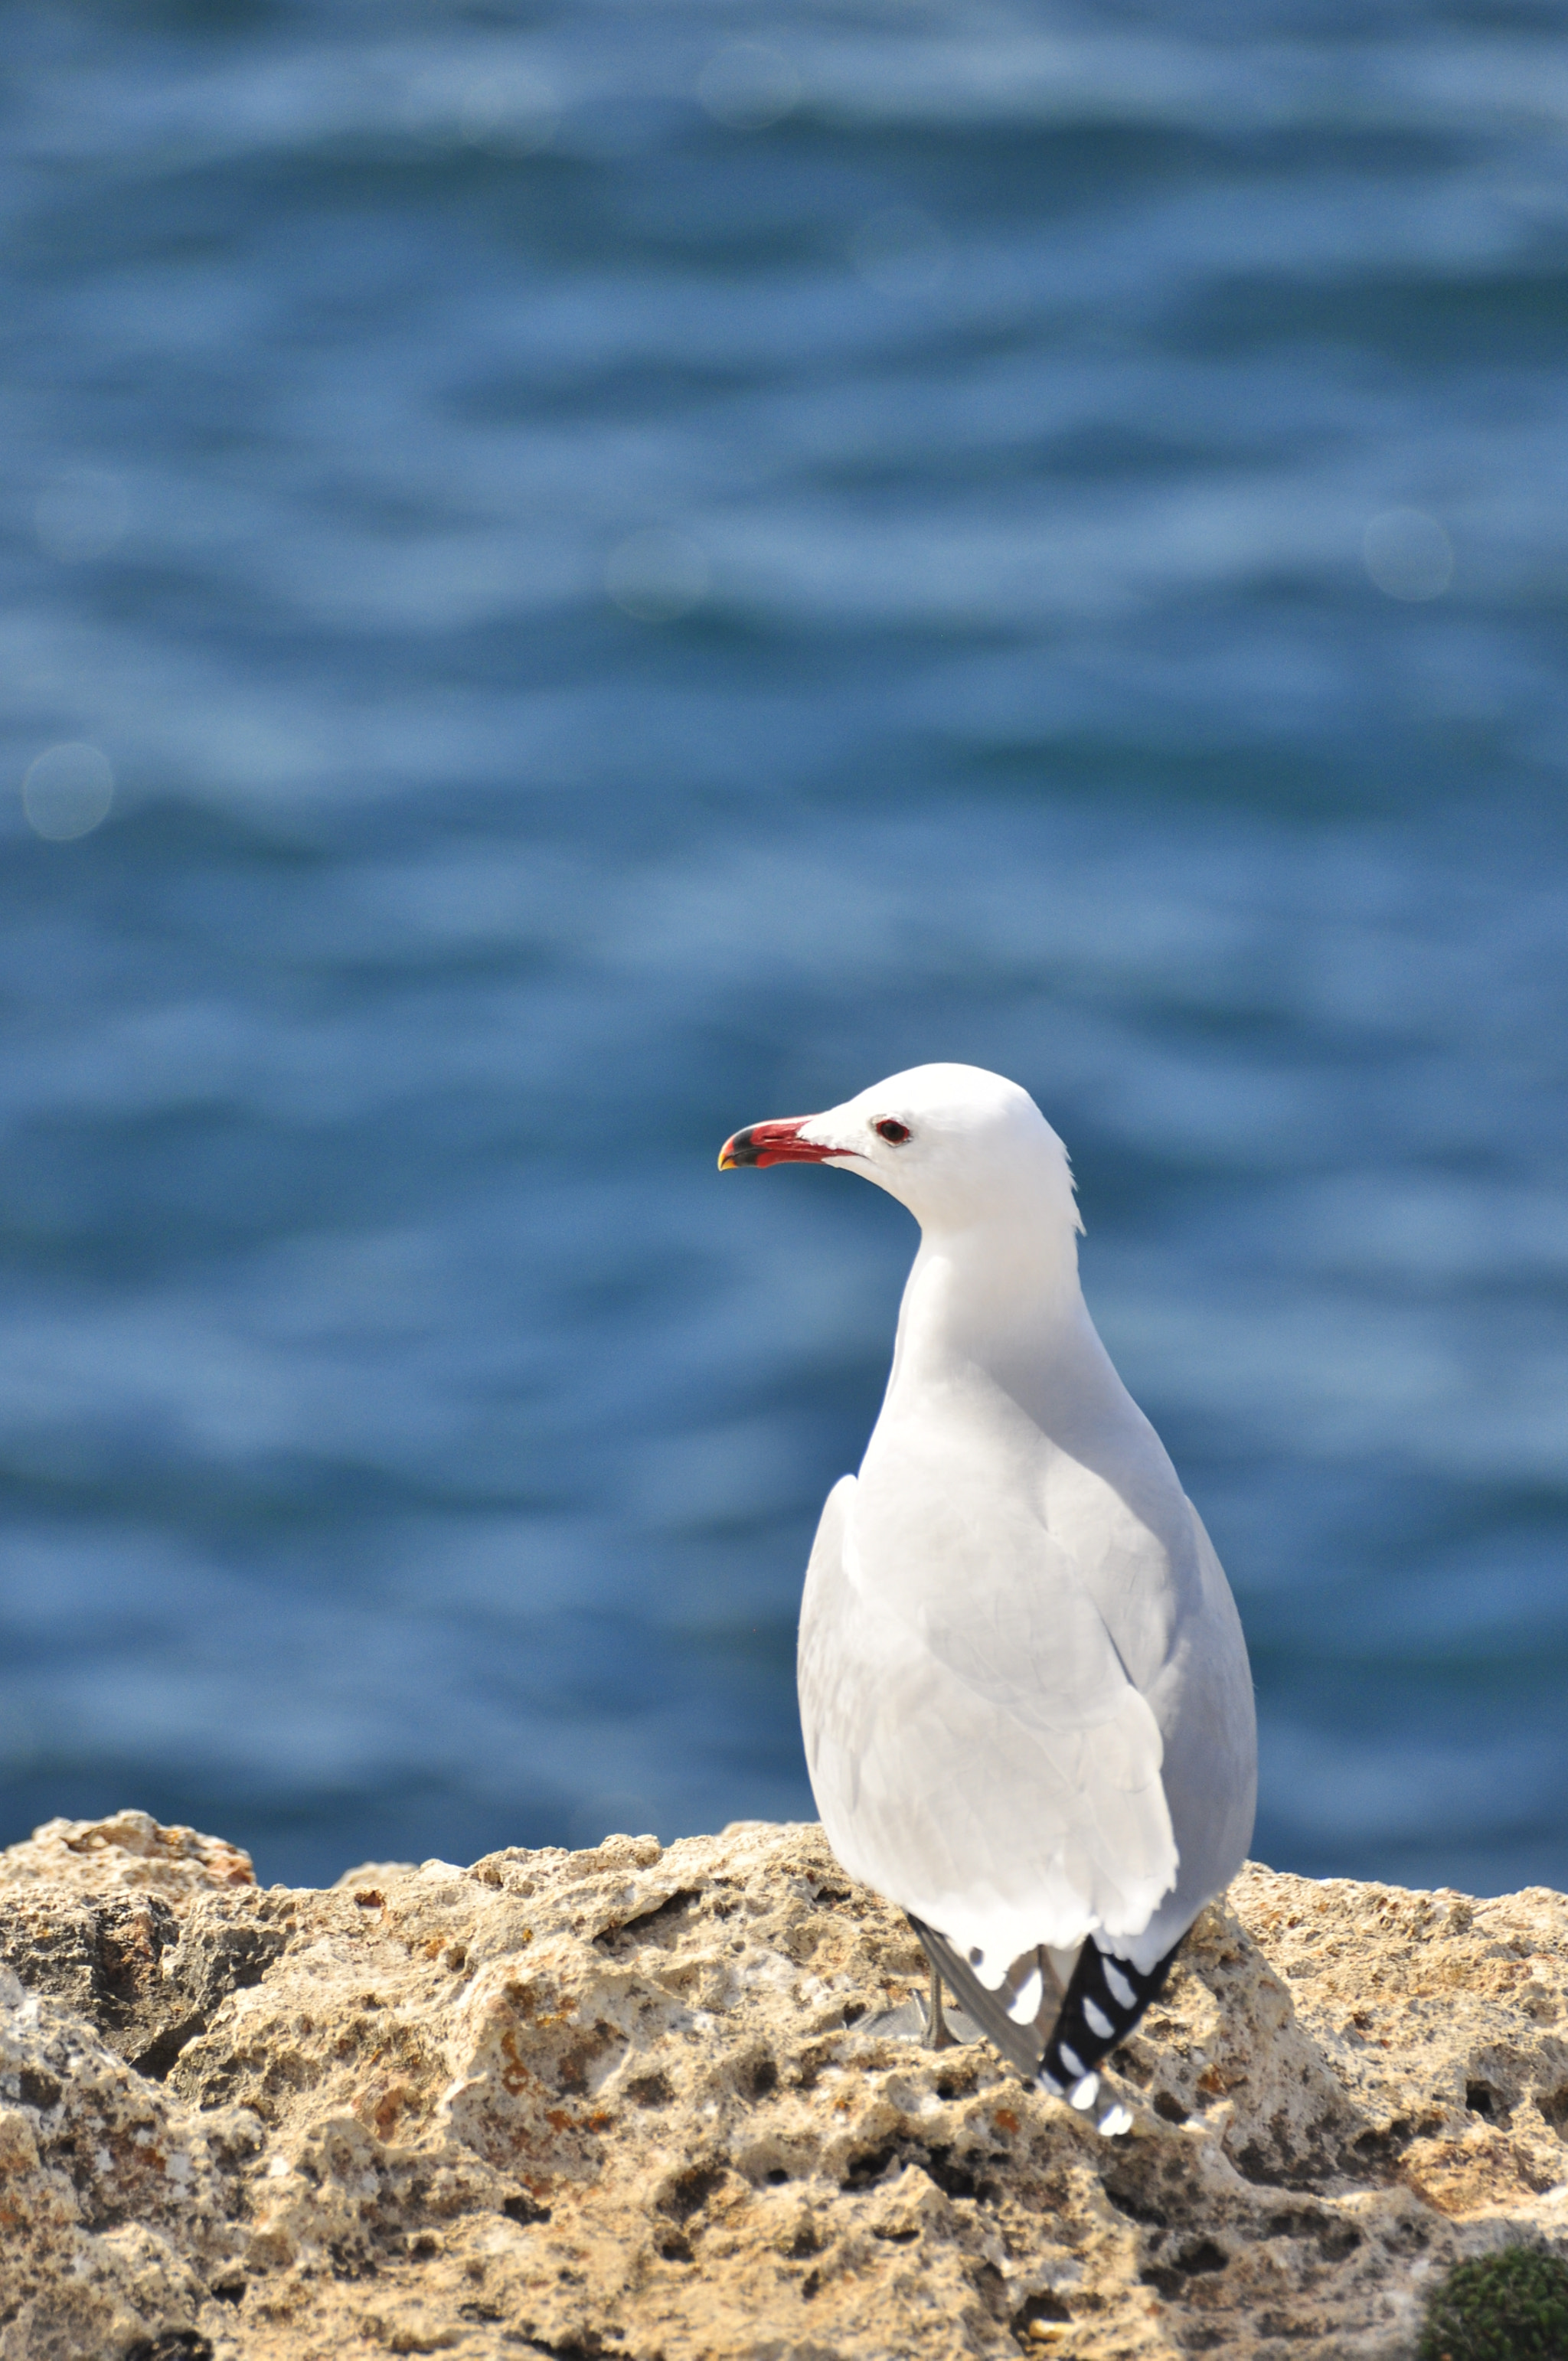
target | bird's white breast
[{"x": 1011, "y": 1630}]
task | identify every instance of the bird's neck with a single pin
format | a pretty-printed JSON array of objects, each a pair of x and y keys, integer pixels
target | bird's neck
[{"x": 990, "y": 1297}]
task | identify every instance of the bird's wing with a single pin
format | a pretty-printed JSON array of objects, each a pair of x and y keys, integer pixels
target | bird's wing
[{"x": 980, "y": 1755}]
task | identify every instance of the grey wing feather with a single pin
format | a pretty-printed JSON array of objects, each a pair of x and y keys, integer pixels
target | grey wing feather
[
  {"x": 923, "y": 1730},
  {"x": 1019, "y": 2044}
]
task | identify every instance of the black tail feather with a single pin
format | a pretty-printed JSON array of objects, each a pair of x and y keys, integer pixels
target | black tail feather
[{"x": 1105, "y": 2000}]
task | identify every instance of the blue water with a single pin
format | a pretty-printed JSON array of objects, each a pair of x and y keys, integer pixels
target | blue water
[{"x": 636, "y": 568}]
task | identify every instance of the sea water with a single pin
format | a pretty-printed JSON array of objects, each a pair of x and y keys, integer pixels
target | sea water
[{"x": 574, "y": 577}]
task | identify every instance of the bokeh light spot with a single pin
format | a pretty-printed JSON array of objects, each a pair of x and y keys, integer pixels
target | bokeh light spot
[
  {"x": 657, "y": 575},
  {"x": 68, "y": 791},
  {"x": 748, "y": 86},
  {"x": 901, "y": 251},
  {"x": 81, "y": 515},
  {"x": 1407, "y": 553},
  {"x": 508, "y": 111}
]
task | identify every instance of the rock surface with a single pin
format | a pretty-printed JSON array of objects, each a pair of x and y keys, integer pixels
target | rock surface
[{"x": 637, "y": 2103}]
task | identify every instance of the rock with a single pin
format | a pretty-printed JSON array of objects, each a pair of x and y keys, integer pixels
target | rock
[
  {"x": 645, "y": 2103},
  {"x": 129, "y": 1852}
]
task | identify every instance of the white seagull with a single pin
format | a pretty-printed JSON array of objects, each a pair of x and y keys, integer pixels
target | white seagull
[{"x": 1023, "y": 1688}]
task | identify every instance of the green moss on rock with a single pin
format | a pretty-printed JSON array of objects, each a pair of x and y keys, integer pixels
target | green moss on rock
[{"x": 1507, "y": 2307}]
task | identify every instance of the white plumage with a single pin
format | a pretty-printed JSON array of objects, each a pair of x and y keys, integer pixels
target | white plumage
[{"x": 1023, "y": 1688}]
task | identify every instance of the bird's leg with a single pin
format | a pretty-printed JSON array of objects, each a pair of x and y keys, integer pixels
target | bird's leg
[{"x": 938, "y": 2034}]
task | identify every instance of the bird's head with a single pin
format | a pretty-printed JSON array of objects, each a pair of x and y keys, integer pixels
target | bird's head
[{"x": 959, "y": 1147}]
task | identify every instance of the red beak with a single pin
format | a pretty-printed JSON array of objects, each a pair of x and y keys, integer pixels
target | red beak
[{"x": 774, "y": 1143}]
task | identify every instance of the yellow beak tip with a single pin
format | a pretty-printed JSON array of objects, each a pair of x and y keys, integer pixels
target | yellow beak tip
[{"x": 726, "y": 1163}]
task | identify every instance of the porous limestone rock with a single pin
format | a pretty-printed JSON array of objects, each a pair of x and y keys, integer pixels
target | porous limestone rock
[{"x": 643, "y": 2102}]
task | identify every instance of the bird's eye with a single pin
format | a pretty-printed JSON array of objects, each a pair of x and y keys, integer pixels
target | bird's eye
[{"x": 888, "y": 1129}]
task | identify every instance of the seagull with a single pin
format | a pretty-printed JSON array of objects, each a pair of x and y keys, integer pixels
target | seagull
[{"x": 1023, "y": 1688}]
